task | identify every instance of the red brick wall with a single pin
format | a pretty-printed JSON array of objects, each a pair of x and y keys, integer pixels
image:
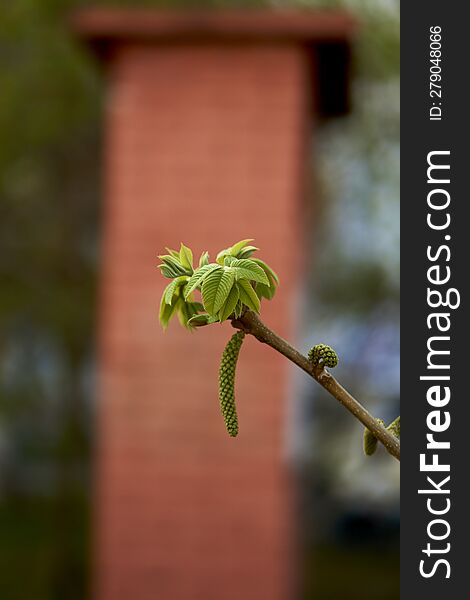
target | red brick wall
[{"x": 205, "y": 146}]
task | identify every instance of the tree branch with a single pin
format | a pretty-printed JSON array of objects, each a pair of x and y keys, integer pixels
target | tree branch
[{"x": 250, "y": 323}]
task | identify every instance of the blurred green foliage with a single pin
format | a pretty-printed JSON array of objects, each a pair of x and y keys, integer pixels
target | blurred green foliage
[
  {"x": 34, "y": 534},
  {"x": 49, "y": 153},
  {"x": 50, "y": 147},
  {"x": 332, "y": 572}
]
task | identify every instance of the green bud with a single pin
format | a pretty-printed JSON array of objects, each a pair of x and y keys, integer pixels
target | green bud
[{"x": 323, "y": 354}]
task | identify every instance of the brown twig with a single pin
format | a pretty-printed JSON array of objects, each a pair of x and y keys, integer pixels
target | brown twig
[{"x": 250, "y": 323}]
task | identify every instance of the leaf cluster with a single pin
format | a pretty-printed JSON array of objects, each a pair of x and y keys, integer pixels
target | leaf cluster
[{"x": 233, "y": 283}]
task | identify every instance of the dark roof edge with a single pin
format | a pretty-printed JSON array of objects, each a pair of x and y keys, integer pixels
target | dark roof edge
[{"x": 98, "y": 25}]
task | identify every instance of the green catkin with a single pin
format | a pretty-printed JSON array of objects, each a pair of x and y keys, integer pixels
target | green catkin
[
  {"x": 394, "y": 427},
  {"x": 227, "y": 382},
  {"x": 324, "y": 354},
  {"x": 370, "y": 441}
]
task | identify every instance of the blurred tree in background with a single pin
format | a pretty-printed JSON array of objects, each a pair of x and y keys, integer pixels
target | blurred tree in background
[
  {"x": 49, "y": 151},
  {"x": 50, "y": 146}
]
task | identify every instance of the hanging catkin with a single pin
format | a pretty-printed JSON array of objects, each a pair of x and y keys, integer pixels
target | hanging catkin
[
  {"x": 370, "y": 441},
  {"x": 227, "y": 382}
]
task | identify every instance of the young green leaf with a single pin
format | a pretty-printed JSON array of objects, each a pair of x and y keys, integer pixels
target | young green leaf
[
  {"x": 235, "y": 249},
  {"x": 228, "y": 260},
  {"x": 247, "y": 252},
  {"x": 186, "y": 310},
  {"x": 221, "y": 255},
  {"x": 186, "y": 258},
  {"x": 169, "y": 287},
  {"x": 248, "y": 269},
  {"x": 216, "y": 288},
  {"x": 204, "y": 259},
  {"x": 198, "y": 307},
  {"x": 265, "y": 291},
  {"x": 173, "y": 265},
  {"x": 267, "y": 269},
  {"x": 239, "y": 306},
  {"x": 173, "y": 286},
  {"x": 232, "y": 251},
  {"x": 168, "y": 272},
  {"x": 171, "y": 261},
  {"x": 166, "y": 311},
  {"x": 248, "y": 295},
  {"x": 230, "y": 303},
  {"x": 198, "y": 277},
  {"x": 201, "y": 320},
  {"x": 173, "y": 253}
]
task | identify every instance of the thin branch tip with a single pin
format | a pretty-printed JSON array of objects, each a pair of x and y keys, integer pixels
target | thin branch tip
[{"x": 250, "y": 323}]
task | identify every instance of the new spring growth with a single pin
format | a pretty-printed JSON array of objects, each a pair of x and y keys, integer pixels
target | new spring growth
[
  {"x": 232, "y": 288},
  {"x": 370, "y": 441},
  {"x": 321, "y": 354},
  {"x": 231, "y": 285}
]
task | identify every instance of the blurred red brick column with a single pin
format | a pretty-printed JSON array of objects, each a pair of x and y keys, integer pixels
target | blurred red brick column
[{"x": 205, "y": 143}]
